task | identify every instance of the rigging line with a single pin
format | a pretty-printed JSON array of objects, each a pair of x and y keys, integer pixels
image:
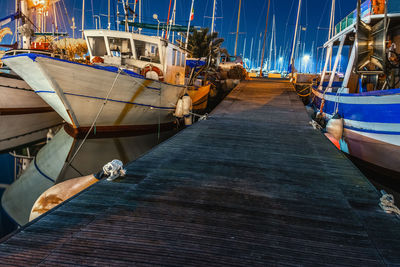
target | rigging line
[
  {"x": 260, "y": 18},
  {"x": 97, "y": 116},
  {"x": 58, "y": 10},
  {"x": 66, "y": 13}
]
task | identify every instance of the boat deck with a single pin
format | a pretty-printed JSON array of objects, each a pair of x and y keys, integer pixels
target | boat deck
[{"x": 254, "y": 185}]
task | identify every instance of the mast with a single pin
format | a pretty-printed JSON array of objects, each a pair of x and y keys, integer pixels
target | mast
[
  {"x": 83, "y": 17},
  {"x": 237, "y": 28},
  {"x": 173, "y": 21},
  {"x": 169, "y": 12},
  {"x": 126, "y": 4},
  {"x": 140, "y": 14},
  {"x": 265, "y": 37},
  {"x": 274, "y": 33},
  {"x": 109, "y": 16},
  {"x": 244, "y": 47},
  {"x": 259, "y": 47},
  {"x": 291, "y": 61},
  {"x": 190, "y": 20},
  {"x": 331, "y": 27},
  {"x": 213, "y": 18},
  {"x": 271, "y": 44},
  {"x": 73, "y": 27},
  {"x": 55, "y": 16},
  {"x": 251, "y": 53}
]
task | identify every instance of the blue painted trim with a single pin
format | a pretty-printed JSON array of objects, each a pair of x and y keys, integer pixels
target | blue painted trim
[
  {"x": 44, "y": 175},
  {"x": 43, "y": 91},
  {"x": 370, "y": 131},
  {"x": 120, "y": 101},
  {"x": 105, "y": 68},
  {"x": 371, "y": 93},
  {"x": 378, "y": 113}
]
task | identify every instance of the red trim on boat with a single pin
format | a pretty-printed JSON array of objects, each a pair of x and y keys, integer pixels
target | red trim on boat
[
  {"x": 20, "y": 111},
  {"x": 117, "y": 131}
]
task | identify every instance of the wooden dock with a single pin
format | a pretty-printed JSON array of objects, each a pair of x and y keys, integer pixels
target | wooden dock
[{"x": 254, "y": 185}]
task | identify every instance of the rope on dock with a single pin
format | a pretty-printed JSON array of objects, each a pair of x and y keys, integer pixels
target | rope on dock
[{"x": 387, "y": 204}]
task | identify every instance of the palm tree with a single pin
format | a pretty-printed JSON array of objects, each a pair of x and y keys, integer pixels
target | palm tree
[{"x": 204, "y": 44}]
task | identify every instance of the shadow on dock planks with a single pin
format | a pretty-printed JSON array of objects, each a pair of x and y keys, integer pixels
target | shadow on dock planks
[{"x": 254, "y": 185}]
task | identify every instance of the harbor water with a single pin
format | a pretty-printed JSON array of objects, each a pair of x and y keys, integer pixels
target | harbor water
[{"x": 91, "y": 157}]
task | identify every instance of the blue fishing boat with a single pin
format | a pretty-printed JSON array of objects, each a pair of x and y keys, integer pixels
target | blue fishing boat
[{"x": 362, "y": 109}]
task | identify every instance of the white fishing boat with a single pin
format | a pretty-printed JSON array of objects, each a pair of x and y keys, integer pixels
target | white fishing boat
[{"x": 140, "y": 77}]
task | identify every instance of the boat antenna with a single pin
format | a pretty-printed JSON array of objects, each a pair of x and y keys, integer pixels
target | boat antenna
[
  {"x": 265, "y": 37},
  {"x": 237, "y": 27}
]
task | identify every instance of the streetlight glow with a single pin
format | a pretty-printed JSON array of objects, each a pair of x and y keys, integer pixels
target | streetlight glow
[{"x": 306, "y": 58}]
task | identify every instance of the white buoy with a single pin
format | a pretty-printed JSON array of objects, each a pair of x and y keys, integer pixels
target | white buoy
[
  {"x": 187, "y": 105},
  {"x": 187, "y": 109},
  {"x": 179, "y": 109},
  {"x": 49, "y": 136},
  {"x": 335, "y": 126}
]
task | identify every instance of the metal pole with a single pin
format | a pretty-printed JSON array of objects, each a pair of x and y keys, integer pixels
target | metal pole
[
  {"x": 295, "y": 35},
  {"x": 169, "y": 12},
  {"x": 173, "y": 21},
  {"x": 265, "y": 37},
  {"x": 83, "y": 17},
  {"x": 213, "y": 18},
  {"x": 251, "y": 53},
  {"x": 55, "y": 16},
  {"x": 237, "y": 28},
  {"x": 109, "y": 16},
  {"x": 190, "y": 16}
]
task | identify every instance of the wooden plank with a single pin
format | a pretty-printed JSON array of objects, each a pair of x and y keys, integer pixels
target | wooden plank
[{"x": 254, "y": 185}]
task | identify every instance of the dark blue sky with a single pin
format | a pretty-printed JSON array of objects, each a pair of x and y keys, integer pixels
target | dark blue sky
[{"x": 314, "y": 14}]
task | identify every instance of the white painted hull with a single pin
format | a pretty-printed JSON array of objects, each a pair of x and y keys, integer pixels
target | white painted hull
[
  {"x": 77, "y": 92},
  {"x": 24, "y": 116},
  {"x": 16, "y": 94}
]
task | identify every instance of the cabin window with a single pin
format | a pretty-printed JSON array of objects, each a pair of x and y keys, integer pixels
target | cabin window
[
  {"x": 120, "y": 47},
  {"x": 178, "y": 58},
  {"x": 173, "y": 57},
  {"x": 97, "y": 46},
  {"x": 183, "y": 60},
  {"x": 147, "y": 51}
]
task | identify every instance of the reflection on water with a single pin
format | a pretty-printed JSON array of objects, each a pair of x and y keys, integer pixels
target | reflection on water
[
  {"x": 95, "y": 153},
  {"x": 53, "y": 163}
]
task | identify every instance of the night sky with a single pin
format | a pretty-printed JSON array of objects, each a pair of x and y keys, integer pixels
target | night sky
[{"x": 314, "y": 17}]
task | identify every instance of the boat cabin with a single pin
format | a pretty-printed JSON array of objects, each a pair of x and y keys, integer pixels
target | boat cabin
[
  {"x": 151, "y": 56},
  {"x": 372, "y": 64}
]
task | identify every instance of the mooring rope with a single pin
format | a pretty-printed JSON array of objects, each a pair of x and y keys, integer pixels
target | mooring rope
[
  {"x": 387, "y": 204},
  {"x": 97, "y": 116}
]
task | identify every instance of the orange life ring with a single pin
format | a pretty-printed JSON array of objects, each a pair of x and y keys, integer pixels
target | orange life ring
[{"x": 149, "y": 67}]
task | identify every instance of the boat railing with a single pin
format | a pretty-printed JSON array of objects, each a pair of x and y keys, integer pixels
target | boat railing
[{"x": 368, "y": 8}]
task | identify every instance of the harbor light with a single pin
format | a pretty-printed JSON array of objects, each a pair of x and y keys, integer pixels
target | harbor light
[
  {"x": 306, "y": 58},
  {"x": 280, "y": 59}
]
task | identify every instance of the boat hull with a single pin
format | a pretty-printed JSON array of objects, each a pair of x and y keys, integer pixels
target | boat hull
[
  {"x": 78, "y": 92},
  {"x": 371, "y": 124},
  {"x": 24, "y": 116}
]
